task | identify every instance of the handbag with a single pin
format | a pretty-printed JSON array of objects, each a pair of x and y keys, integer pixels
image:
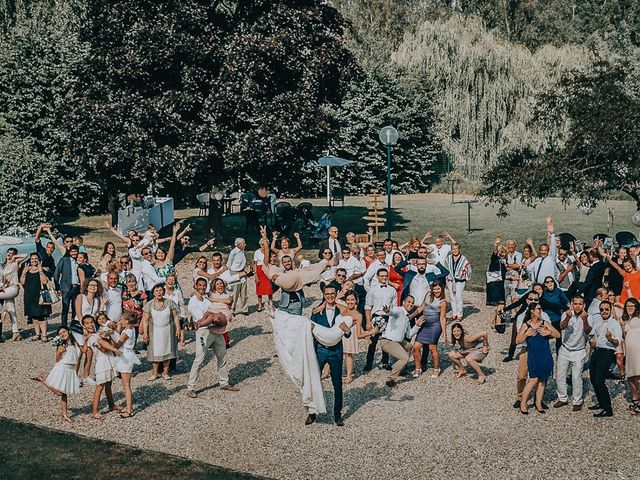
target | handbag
[
  {"x": 49, "y": 295},
  {"x": 494, "y": 277}
]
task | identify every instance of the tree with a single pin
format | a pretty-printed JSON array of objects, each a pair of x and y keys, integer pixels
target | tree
[
  {"x": 183, "y": 94},
  {"x": 37, "y": 58},
  {"x": 597, "y": 153},
  {"x": 484, "y": 87},
  {"x": 379, "y": 100}
]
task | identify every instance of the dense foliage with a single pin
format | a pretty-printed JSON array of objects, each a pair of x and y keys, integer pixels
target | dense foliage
[
  {"x": 182, "y": 95},
  {"x": 598, "y": 151}
]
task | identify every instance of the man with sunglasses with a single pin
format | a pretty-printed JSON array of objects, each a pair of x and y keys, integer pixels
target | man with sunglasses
[
  {"x": 606, "y": 335},
  {"x": 575, "y": 325}
]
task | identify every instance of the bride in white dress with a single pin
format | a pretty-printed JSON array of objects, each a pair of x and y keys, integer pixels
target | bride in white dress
[{"x": 293, "y": 336}]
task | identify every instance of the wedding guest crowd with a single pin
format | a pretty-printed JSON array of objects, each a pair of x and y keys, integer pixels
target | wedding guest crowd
[{"x": 406, "y": 301}]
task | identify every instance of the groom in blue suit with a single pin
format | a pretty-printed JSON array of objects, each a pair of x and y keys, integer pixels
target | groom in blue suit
[{"x": 331, "y": 355}]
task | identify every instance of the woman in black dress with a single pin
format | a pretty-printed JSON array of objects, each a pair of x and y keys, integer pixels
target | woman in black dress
[
  {"x": 33, "y": 280},
  {"x": 495, "y": 273}
]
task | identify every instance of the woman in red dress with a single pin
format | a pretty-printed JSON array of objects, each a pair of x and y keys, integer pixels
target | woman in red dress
[
  {"x": 395, "y": 279},
  {"x": 263, "y": 284}
]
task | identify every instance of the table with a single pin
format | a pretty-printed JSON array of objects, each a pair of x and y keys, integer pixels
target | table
[{"x": 160, "y": 215}]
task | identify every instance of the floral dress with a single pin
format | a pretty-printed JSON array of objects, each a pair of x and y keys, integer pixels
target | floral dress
[{"x": 134, "y": 303}]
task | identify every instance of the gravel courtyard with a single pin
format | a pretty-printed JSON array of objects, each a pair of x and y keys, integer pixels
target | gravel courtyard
[{"x": 434, "y": 428}]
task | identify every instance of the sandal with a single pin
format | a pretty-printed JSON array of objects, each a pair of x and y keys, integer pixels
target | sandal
[
  {"x": 481, "y": 380},
  {"x": 35, "y": 338},
  {"x": 461, "y": 374},
  {"x": 65, "y": 418},
  {"x": 348, "y": 380},
  {"x": 436, "y": 373},
  {"x": 44, "y": 339},
  {"x": 634, "y": 404},
  {"x": 126, "y": 414},
  {"x": 153, "y": 377},
  {"x": 416, "y": 373},
  {"x": 98, "y": 417}
]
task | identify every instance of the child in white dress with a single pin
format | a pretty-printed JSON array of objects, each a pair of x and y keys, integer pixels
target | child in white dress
[
  {"x": 104, "y": 351},
  {"x": 63, "y": 379},
  {"x": 126, "y": 361}
]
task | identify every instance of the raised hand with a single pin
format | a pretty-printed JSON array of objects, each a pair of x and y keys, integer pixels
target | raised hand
[{"x": 297, "y": 235}]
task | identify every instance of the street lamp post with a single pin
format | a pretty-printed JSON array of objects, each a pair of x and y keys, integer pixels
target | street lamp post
[{"x": 388, "y": 136}]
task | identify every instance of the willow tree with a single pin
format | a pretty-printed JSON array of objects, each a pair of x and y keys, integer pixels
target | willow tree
[
  {"x": 485, "y": 87},
  {"x": 598, "y": 152}
]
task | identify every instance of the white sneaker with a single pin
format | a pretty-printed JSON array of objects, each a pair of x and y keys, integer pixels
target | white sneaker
[{"x": 89, "y": 381}]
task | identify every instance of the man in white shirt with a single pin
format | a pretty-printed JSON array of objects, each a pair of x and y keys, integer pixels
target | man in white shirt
[
  {"x": 113, "y": 297},
  {"x": 545, "y": 265},
  {"x": 355, "y": 267},
  {"x": 148, "y": 275},
  {"x": 371, "y": 275},
  {"x": 594, "y": 308},
  {"x": 440, "y": 250},
  {"x": 236, "y": 263},
  {"x": 378, "y": 296},
  {"x": 565, "y": 266},
  {"x": 606, "y": 335},
  {"x": 389, "y": 251},
  {"x": 396, "y": 336},
  {"x": 575, "y": 325},
  {"x": 198, "y": 306}
]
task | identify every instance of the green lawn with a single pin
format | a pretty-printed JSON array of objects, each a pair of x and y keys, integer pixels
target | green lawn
[
  {"x": 415, "y": 214},
  {"x": 33, "y": 452}
]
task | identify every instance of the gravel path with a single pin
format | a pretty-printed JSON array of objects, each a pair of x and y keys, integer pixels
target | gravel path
[{"x": 433, "y": 428}]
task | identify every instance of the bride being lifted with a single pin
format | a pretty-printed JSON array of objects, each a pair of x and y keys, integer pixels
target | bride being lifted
[{"x": 305, "y": 344}]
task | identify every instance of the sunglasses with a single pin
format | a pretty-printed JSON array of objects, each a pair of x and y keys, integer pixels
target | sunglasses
[
  {"x": 340, "y": 275},
  {"x": 605, "y": 309}
]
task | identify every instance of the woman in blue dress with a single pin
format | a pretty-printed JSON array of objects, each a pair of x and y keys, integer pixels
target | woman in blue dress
[{"x": 536, "y": 332}]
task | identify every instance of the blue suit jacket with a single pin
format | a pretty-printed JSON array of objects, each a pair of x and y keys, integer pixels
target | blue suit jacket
[
  {"x": 409, "y": 274},
  {"x": 321, "y": 319}
]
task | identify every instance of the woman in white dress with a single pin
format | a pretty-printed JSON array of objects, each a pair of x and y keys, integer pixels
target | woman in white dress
[
  {"x": 9, "y": 290},
  {"x": 89, "y": 302},
  {"x": 174, "y": 292},
  {"x": 127, "y": 359},
  {"x": 63, "y": 379},
  {"x": 160, "y": 330}
]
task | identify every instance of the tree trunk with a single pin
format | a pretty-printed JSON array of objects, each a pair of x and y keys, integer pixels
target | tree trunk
[{"x": 635, "y": 194}]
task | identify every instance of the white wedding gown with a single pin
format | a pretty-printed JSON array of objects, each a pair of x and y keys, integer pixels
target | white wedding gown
[{"x": 293, "y": 337}]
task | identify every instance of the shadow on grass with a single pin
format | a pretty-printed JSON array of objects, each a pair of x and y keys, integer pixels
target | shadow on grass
[
  {"x": 347, "y": 219},
  {"x": 108, "y": 460}
]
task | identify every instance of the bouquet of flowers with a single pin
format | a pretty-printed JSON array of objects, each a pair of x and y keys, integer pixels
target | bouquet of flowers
[
  {"x": 105, "y": 331},
  {"x": 58, "y": 341},
  {"x": 379, "y": 322}
]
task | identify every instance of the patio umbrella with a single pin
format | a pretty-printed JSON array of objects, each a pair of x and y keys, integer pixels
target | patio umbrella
[{"x": 329, "y": 162}]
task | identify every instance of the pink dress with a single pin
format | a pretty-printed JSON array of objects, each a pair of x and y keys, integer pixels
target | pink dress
[{"x": 217, "y": 306}]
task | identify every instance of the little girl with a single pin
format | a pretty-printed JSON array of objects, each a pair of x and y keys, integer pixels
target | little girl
[
  {"x": 125, "y": 362},
  {"x": 63, "y": 379},
  {"x": 88, "y": 329},
  {"x": 221, "y": 303},
  {"x": 104, "y": 351}
]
